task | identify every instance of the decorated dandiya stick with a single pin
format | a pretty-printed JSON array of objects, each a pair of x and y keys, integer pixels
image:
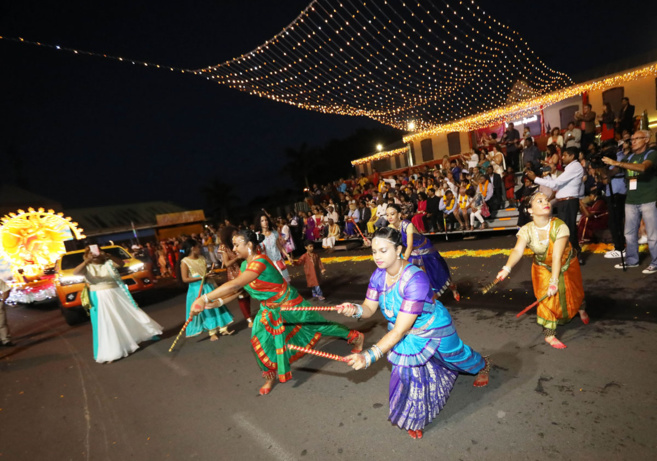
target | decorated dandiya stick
[
  {"x": 445, "y": 226},
  {"x": 191, "y": 314},
  {"x": 366, "y": 241},
  {"x": 532, "y": 305},
  {"x": 310, "y": 308},
  {"x": 490, "y": 286},
  {"x": 326, "y": 355}
]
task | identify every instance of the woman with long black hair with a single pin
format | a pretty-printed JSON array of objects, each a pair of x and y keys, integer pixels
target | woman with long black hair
[{"x": 273, "y": 328}]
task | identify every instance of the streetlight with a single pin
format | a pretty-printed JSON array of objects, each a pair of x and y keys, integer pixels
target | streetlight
[{"x": 379, "y": 147}]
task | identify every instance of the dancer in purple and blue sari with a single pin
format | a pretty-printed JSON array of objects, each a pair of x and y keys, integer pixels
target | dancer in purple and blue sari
[
  {"x": 422, "y": 345},
  {"x": 419, "y": 251}
]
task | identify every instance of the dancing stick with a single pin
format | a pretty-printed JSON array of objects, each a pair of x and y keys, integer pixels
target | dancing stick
[
  {"x": 191, "y": 314},
  {"x": 445, "y": 226},
  {"x": 309, "y": 308},
  {"x": 534, "y": 304},
  {"x": 366, "y": 241},
  {"x": 326, "y": 355},
  {"x": 490, "y": 286}
]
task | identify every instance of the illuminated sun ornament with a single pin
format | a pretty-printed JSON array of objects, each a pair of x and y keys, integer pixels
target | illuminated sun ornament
[{"x": 34, "y": 239}]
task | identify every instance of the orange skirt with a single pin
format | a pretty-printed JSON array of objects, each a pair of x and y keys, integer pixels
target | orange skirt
[{"x": 562, "y": 307}]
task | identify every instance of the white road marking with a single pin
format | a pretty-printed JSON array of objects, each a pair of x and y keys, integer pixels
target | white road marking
[{"x": 262, "y": 438}]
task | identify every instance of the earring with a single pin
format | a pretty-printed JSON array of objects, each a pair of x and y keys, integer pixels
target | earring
[
  {"x": 249, "y": 251},
  {"x": 399, "y": 256}
]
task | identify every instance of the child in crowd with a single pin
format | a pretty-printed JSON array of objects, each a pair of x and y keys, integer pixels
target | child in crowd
[{"x": 312, "y": 264}]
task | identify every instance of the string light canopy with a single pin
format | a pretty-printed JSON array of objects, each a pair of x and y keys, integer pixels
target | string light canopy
[
  {"x": 413, "y": 65},
  {"x": 423, "y": 62}
]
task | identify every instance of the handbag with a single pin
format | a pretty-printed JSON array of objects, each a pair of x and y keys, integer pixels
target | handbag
[
  {"x": 85, "y": 299},
  {"x": 485, "y": 211},
  {"x": 280, "y": 264}
]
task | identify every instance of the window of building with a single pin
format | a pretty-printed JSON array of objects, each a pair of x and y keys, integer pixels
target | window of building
[
  {"x": 454, "y": 143},
  {"x": 614, "y": 97},
  {"x": 567, "y": 115},
  {"x": 427, "y": 150}
]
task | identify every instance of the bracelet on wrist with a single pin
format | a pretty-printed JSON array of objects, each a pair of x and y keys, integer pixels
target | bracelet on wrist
[
  {"x": 206, "y": 299},
  {"x": 507, "y": 268},
  {"x": 359, "y": 311}
]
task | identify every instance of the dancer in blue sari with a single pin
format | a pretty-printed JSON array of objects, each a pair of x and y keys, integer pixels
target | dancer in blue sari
[
  {"x": 419, "y": 251},
  {"x": 423, "y": 347},
  {"x": 193, "y": 268}
]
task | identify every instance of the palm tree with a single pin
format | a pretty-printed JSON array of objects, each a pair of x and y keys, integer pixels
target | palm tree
[
  {"x": 220, "y": 198},
  {"x": 300, "y": 163}
]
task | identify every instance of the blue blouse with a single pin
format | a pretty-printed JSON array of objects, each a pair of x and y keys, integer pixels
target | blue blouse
[{"x": 411, "y": 294}]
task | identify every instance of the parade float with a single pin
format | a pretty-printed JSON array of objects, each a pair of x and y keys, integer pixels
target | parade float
[{"x": 30, "y": 243}]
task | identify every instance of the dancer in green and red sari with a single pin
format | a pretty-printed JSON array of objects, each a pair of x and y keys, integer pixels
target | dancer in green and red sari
[{"x": 273, "y": 328}]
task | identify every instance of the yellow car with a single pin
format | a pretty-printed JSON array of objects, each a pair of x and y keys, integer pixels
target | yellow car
[{"x": 136, "y": 274}]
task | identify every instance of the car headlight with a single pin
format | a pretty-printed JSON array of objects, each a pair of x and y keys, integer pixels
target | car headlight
[
  {"x": 137, "y": 267},
  {"x": 71, "y": 279}
]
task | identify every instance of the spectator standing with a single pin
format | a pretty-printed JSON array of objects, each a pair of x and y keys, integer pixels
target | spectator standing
[
  {"x": 615, "y": 195},
  {"x": 586, "y": 121},
  {"x": 606, "y": 119},
  {"x": 511, "y": 139},
  {"x": 641, "y": 198},
  {"x": 625, "y": 119},
  {"x": 567, "y": 187}
]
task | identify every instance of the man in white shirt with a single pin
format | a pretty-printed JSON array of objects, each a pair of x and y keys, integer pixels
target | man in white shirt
[
  {"x": 573, "y": 136},
  {"x": 567, "y": 187},
  {"x": 332, "y": 214}
]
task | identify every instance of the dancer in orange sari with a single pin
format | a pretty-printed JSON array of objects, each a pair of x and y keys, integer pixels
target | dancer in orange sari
[{"x": 555, "y": 272}]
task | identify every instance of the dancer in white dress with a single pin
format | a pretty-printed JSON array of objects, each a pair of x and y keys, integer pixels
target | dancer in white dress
[{"x": 118, "y": 324}]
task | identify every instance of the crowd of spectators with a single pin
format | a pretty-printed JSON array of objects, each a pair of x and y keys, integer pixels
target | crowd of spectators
[{"x": 458, "y": 193}]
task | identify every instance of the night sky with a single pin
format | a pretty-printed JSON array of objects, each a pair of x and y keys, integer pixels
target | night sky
[{"x": 90, "y": 132}]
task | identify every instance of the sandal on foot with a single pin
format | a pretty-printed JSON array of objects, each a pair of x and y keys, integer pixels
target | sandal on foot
[
  {"x": 483, "y": 376},
  {"x": 554, "y": 342}
]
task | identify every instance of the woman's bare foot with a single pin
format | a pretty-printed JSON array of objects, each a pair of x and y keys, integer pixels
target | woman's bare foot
[
  {"x": 554, "y": 342},
  {"x": 249, "y": 323},
  {"x": 266, "y": 388},
  {"x": 214, "y": 337},
  {"x": 455, "y": 292},
  {"x": 584, "y": 316},
  {"x": 224, "y": 331}
]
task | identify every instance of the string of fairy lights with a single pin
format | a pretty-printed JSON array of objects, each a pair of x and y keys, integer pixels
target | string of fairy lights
[
  {"x": 529, "y": 107},
  {"x": 380, "y": 156}
]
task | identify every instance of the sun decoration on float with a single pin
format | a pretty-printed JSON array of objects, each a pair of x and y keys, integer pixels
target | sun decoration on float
[{"x": 34, "y": 239}]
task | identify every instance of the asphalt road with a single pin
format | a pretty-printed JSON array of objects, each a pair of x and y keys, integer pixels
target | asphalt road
[{"x": 594, "y": 400}]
